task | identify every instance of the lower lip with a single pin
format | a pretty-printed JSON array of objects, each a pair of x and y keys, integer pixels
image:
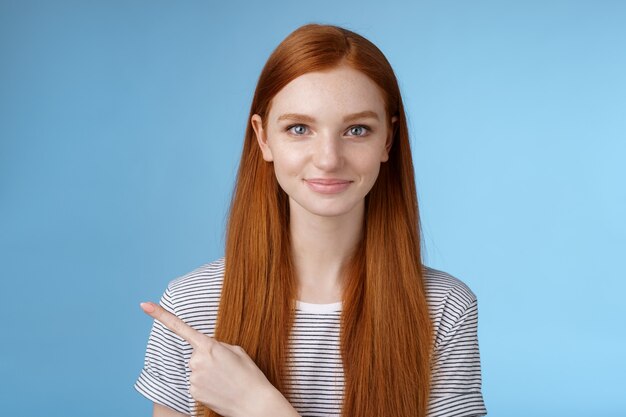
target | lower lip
[{"x": 328, "y": 188}]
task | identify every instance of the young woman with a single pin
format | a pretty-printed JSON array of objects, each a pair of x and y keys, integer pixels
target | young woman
[{"x": 321, "y": 305}]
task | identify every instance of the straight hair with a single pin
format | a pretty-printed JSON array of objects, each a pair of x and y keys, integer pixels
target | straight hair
[{"x": 386, "y": 331}]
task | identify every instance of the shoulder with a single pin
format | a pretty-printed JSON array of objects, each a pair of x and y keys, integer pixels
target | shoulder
[
  {"x": 443, "y": 288},
  {"x": 194, "y": 297},
  {"x": 210, "y": 274},
  {"x": 456, "y": 373},
  {"x": 452, "y": 304}
]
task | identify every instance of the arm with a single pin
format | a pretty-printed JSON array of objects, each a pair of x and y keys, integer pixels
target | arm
[
  {"x": 223, "y": 377},
  {"x": 163, "y": 377},
  {"x": 456, "y": 372},
  {"x": 277, "y": 405},
  {"x": 163, "y": 411}
]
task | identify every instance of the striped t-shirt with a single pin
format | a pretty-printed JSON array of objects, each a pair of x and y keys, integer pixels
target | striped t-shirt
[{"x": 315, "y": 358}]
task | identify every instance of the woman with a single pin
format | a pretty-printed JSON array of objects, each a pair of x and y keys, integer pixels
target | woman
[{"x": 321, "y": 305}]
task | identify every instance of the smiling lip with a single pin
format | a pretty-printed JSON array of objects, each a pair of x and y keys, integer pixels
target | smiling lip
[{"x": 327, "y": 185}]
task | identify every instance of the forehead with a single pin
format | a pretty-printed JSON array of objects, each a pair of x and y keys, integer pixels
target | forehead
[{"x": 330, "y": 94}]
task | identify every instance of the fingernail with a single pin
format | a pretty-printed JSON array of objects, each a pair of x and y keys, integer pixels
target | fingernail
[{"x": 147, "y": 307}]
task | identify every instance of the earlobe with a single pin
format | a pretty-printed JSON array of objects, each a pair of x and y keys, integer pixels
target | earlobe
[{"x": 261, "y": 137}]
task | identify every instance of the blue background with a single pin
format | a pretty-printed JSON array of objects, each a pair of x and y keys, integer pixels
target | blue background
[{"x": 121, "y": 126}]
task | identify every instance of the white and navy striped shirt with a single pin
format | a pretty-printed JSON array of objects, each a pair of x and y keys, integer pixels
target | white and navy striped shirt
[{"x": 315, "y": 358}]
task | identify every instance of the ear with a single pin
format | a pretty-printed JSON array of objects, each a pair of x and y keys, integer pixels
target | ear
[
  {"x": 389, "y": 140},
  {"x": 261, "y": 137}
]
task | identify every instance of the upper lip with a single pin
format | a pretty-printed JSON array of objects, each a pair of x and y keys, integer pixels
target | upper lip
[{"x": 327, "y": 181}]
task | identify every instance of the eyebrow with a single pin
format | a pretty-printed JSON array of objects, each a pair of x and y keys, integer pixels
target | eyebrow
[{"x": 354, "y": 116}]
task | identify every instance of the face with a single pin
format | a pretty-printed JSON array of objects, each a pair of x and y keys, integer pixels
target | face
[{"x": 327, "y": 134}]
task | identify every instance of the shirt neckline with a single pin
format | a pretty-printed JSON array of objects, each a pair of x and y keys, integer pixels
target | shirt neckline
[{"x": 318, "y": 308}]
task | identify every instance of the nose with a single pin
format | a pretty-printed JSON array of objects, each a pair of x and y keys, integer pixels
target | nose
[{"x": 328, "y": 153}]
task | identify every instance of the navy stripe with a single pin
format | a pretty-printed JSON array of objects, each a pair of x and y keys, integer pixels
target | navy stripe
[{"x": 317, "y": 382}]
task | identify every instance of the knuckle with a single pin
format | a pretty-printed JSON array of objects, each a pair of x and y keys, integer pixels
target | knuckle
[
  {"x": 193, "y": 391},
  {"x": 199, "y": 359},
  {"x": 209, "y": 348}
]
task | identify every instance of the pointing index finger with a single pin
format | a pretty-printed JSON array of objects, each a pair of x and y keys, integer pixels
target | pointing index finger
[{"x": 182, "y": 329}]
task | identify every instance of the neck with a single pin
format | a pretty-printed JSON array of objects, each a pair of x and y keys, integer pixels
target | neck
[{"x": 321, "y": 247}]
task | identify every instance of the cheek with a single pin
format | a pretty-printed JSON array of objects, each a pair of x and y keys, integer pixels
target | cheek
[
  {"x": 368, "y": 164},
  {"x": 288, "y": 163},
  {"x": 373, "y": 172},
  {"x": 287, "y": 174}
]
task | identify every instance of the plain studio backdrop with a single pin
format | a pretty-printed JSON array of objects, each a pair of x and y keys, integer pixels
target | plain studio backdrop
[{"x": 121, "y": 125}]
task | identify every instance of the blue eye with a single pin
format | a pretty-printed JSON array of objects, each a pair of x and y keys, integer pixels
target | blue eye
[
  {"x": 359, "y": 130},
  {"x": 298, "y": 129}
]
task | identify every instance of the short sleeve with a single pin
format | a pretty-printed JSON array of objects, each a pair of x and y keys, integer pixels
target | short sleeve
[
  {"x": 456, "y": 374},
  {"x": 163, "y": 378}
]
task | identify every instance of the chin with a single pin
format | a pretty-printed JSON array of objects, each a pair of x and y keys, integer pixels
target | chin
[
  {"x": 330, "y": 214},
  {"x": 327, "y": 208},
  {"x": 331, "y": 210}
]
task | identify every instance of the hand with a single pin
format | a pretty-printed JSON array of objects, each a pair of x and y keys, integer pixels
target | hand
[{"x": 223, "y": 376}]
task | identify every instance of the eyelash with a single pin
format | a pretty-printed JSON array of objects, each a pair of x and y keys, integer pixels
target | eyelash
[{"x": 366, "y": 128}]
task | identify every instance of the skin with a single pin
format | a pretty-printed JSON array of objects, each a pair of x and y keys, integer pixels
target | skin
[
  {"x": 325, "y": 228},
  {"x": 325, "y": 219},
  {"x": 222, "y": 376}
]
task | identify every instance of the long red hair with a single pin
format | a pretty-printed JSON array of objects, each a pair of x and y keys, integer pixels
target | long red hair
[{"x": 386, "y": 330}]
